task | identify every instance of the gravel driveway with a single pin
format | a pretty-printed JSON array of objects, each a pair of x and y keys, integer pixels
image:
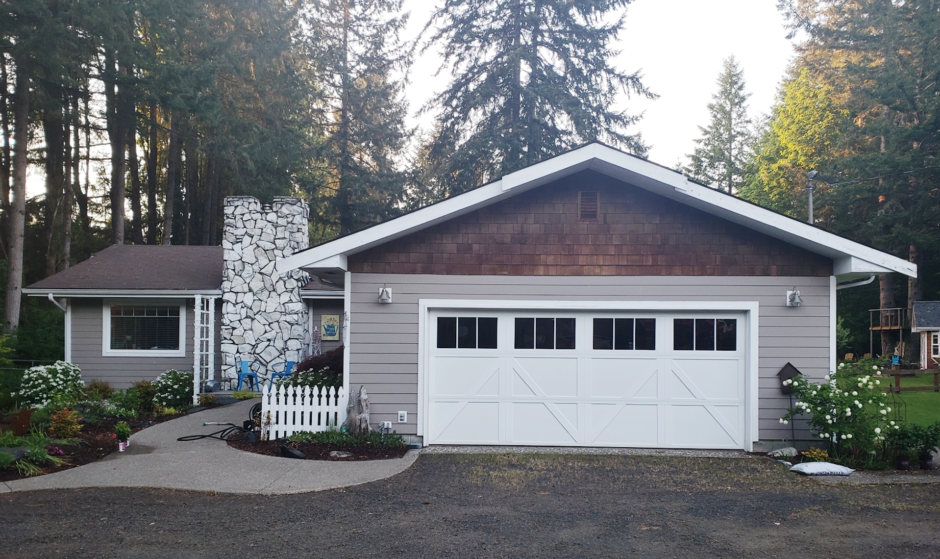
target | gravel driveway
[{"x": 496, "y": 505}]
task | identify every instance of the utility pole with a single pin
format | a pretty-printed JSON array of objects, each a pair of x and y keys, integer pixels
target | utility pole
[{"x": 810, "y": 177}]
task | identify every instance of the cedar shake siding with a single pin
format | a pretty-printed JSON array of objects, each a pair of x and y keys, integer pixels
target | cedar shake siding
[{"x": 636, "y": 233}]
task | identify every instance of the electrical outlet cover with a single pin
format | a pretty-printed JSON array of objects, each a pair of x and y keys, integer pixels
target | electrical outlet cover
[{"x": 402, "y": 416}]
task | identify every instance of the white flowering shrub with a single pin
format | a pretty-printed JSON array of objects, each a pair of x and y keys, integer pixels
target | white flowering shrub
[
  {"x": 43, "y": 383},
  {"x": 174, "y": 389},
  {"x": 848, "y": 411}
]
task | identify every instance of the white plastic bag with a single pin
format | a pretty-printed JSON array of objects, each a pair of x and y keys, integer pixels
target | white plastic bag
[{"x": 821, "y": 469}]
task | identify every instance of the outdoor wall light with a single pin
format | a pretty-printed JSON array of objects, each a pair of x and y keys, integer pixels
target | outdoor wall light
[
  {"x": 385, "y": 295},
  {"x": 793, "y": 298}
]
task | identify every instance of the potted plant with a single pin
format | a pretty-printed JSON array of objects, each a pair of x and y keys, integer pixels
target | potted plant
[
  {"x": 122, "y": 431},
  {"x": 906, "y": 442},
  {"x": 929, "y": 438}
]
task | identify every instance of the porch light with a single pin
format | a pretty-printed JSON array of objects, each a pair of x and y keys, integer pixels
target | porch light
[
  {"x": 793, "y": 298},
  {"x": 385, "y": 295}
]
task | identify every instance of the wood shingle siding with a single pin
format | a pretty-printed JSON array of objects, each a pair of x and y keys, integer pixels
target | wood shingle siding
[
  {"x": 540, "y": 233},
  {"x": 384, "y": 338}
]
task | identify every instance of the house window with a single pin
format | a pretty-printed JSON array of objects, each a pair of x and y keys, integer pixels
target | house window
[
  {"x": 935, "y": 345},
  {"x": 588, "y": 205},
  {"x": 545, "y": 333},
  {"x": 466, "y": 332},
  {"x": 625, "y": 333},
  {"x": 132, "y": 328},
  {"x": 705, "y": 334}
]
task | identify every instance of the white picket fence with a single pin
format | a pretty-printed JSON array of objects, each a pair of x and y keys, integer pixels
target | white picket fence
[{"x": 289, "y": 409}]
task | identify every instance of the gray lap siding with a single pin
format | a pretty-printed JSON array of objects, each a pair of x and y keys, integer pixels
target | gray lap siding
[
  {"x": 122, "y": 371},
  {"x": 384, "y": 338}
]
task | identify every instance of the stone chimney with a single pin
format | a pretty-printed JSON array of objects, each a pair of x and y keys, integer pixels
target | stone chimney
[{"x": 263, "y": 317}]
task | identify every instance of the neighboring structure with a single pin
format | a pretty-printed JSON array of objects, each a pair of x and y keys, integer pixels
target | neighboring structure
[
  {"x": 135, "y": 311},
  {"x": 593, "y": 299},
  {"x": 925, "y": 320}
]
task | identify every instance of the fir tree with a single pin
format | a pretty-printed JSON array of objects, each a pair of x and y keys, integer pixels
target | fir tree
[
  {"x": 531, "y": 79},
  {"x": 725, "y": 146}
]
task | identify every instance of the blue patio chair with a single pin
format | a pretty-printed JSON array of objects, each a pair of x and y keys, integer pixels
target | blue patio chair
[
  {"x": 288, "y": 367},
  {"x": 245, "y": 372}
]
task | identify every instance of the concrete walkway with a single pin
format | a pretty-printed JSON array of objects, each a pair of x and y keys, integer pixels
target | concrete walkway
[{"x": 156, "y": 459}]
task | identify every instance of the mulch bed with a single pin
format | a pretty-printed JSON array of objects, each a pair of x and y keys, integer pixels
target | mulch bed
[{"x": 316, "y": 451}]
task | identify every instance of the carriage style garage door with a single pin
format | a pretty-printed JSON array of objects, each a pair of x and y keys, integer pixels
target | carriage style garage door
[{"x": 629, "y": 379}]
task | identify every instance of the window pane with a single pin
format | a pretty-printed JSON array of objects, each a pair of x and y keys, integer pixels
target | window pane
[
  {"x": 623, "y": 332},
  {"x": 525, "y": 333},
  {"x": 603, "y": 333},
  {"x": 645, "y": 334},
  {"x": 704, "y": 334},
  {"x": 446, "y": 331},
  {"x": 727, "y": 334},
  {"x": 154, "y": 328},
  {"x": 467, "y": 332},
  {"x": 683, "y": 334},
  {"x": 486, "y": 333},
  {"x": 564, "y": 337},
  {"x": 544, "y": 333}
]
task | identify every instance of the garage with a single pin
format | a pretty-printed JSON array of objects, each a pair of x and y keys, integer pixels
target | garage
[{"x": 614, "y": 378}]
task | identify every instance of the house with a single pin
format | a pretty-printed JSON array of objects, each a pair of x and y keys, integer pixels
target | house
[
  {"x": 593, "y": 299},
  {"x": 135, "y": 311},
  {"x": 925, "y": 320}
]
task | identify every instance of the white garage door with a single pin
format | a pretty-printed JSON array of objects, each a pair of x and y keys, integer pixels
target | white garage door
[{"x": 671, "y": 380}]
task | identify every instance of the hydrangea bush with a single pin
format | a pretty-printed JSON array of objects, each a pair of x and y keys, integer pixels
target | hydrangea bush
[
  {"x": 43, "y": 383},
  {"x": 174, "y": 389},
  {"x": 848, "y": 411}
]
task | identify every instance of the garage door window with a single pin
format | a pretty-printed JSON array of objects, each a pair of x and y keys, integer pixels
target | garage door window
[
  {"x": 545, "y": 333},
  {"x": 466, "y": 332},
  {"x": 705, "y": 334},
  {"x": 625, "y": 333}
]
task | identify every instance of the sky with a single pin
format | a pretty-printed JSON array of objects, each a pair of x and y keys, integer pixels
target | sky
[{"x": 679, "y": 45}]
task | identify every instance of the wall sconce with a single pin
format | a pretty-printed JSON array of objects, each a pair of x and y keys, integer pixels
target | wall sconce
[
  {"x": 793, "y": 298},
  {"x": 385, "y": 295}
]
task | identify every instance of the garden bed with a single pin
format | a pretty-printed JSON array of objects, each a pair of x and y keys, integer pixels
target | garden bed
[{"x": 319, "y": 450}]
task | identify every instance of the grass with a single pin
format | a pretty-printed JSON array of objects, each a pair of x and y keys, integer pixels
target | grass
[{"x": 923, "y": 408}]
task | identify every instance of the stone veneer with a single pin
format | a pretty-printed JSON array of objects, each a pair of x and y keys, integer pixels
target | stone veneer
[{"x": 263, "y": 316}]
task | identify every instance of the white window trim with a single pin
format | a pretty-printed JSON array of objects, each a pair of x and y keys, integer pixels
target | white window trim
[
  {"x": 935, "y": 343},
  {"x": 106, "y": 350},
  {"x": 751, "y": 310}
]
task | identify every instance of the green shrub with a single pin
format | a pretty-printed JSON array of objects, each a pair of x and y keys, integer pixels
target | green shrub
[
  {"x": 100, "y": 388},
  {"x": 323, "y": 377},
  {"x": 43, "y": 383},
  {"x": 207, "y": 400},
  {"x": 347, "y": 441},
  {"x": 6, "y": 460},
  {"x": 174, "y": 389},
  {"x": 139, "y": 398},
  {"x": 245, "y": 395},
  {"x": 122, "y": 430},
  {"x": 64, "y": 424},
  {"x": 848, "y": 411}
]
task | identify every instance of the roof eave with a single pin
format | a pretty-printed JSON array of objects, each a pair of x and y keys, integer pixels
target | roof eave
[{"x": 122, "y": 293}]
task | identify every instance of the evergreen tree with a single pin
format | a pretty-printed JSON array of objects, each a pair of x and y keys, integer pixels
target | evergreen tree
[
  {"x": 358, "y": 65},
  {"x": 725, "y": 146},
  {"x": 531, "y": 79}
]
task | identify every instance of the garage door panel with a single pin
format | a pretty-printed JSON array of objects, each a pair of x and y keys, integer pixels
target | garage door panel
[
  {"x": 624, "y": 425},
  {"x": 465, "y": 376},
  {"x": 545, "y": 377},
  {"x": 462, "y": 421},
  {"x": 704, "y": 426},
  {"x": 622, "y": 378},
  {"x": 544, "y": 423},
  {"x": 706, "y": 379}
]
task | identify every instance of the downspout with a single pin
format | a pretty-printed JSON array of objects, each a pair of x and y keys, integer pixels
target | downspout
[
  {"x": 56, "y": 303},
  {"x": 855, "y": 283}
]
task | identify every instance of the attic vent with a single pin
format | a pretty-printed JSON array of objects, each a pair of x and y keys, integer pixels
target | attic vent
[{"x": 587, "y": 205}]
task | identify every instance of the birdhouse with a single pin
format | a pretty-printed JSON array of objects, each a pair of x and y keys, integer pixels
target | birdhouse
[{"x": 786, "y": 373}]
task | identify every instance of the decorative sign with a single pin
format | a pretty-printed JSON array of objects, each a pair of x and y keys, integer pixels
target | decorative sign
[{"x": 330, "y": 327}]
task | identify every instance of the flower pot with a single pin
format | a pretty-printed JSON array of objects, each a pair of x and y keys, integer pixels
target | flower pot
[
  {"x": 904, "y": 463},
  {"x": 122, "y": 446}
]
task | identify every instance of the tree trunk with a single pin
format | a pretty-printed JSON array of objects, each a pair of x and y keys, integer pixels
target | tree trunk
[
  {"x": 208, "y": 209},
  {"x": 18, "y": 205},
  {"x": 915, "y": 292},
  {"x": 53, "y": 132},
  {"x": 343, "y": 194},
  {"x": 172, "y": 168},
  {"x": 117, "y": 135},
  {"x": 153, "y": 219},
  {"x": 82, "y": 196},
  {"x": 886, "y": 297},
  {"x": 4, "y": 157},
  {"x": 214, "y": 206},
  {"x": 71, "y": 125},
  {"x": 137, "y": 219},
  {"x": 192, "y": 188}
]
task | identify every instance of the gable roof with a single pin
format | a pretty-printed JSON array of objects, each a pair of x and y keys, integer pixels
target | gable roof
[
  {"x": 926, "y": 315},
  {"x": 139, "y": 270},
  {"x": 851, "y": 260}
]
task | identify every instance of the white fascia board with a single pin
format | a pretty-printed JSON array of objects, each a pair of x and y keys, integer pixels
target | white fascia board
[
  {"x": 617, "y": 164},
  {"x": 123, "y": 293},
  {"x": 851, "y": 265},
  {"x": 332, "y": 262},
  {"x": 313, "y": 294}
]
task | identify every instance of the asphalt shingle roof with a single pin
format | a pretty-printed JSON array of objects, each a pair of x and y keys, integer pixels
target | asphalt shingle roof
[{"x": 927, "y": 314}]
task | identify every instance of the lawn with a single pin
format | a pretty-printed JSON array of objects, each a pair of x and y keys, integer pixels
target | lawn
[{"x": 923, "y": 408}]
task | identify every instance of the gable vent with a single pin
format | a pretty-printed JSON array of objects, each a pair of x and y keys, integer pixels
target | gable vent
[{"x": 588, "y": 205}]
